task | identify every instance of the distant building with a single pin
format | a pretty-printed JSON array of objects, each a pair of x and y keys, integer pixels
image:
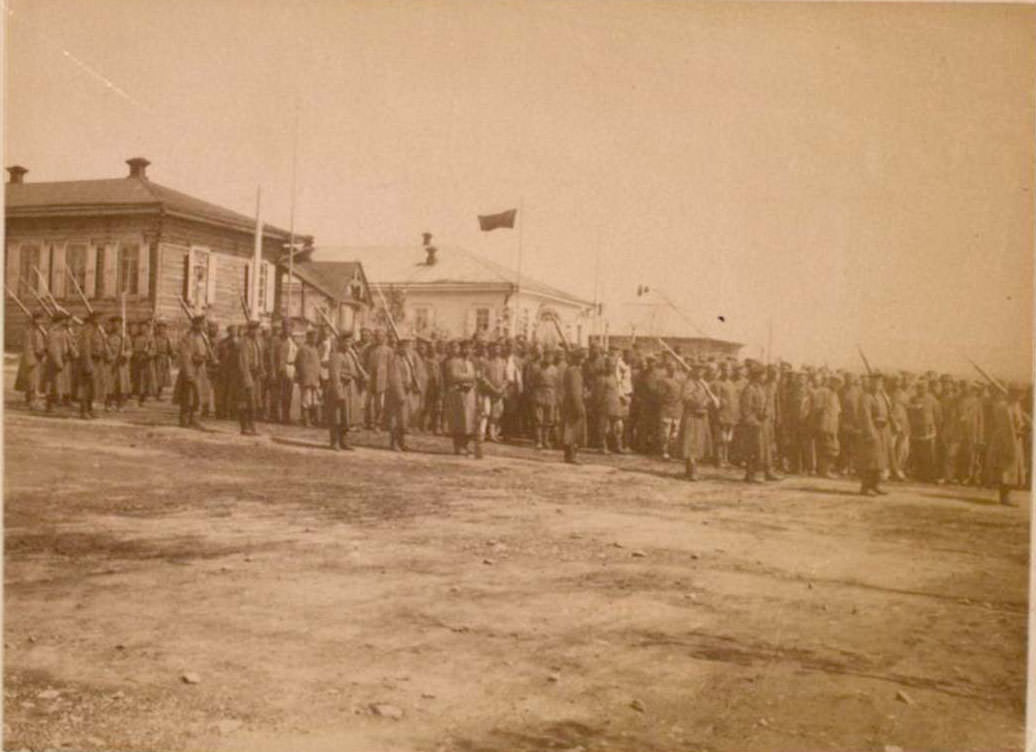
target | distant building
[
  {"x": 698, "y": 348},
  {"x": 453, "y": 292},
  {"x": 338, "y": 286},
  {"x": 155, "y": 244}
]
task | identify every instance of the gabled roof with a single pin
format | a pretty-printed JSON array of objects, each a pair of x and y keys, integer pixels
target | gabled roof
[
  {"x": 119, "y": 195},
  {"x": 333, "y": 278},
  {"x": 406, "y": 265}
]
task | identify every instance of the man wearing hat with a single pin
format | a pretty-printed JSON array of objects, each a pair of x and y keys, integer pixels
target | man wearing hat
[
  {"x": 93, "y": 344},
  {"x": 342, "y": 372},
  {"x": 872, "y": 453},
  {"x": 378, "y": 358},
  {"x": 753, "y": 418},
  {"x": 1007, "y": 455},
  {"x": 307, "y": 373},
  {"x": 401, "y": 387},
  {"x": 826, "y": 411},
  {"x": 922, "y": 411},
  {"x": 697, "y": 399},
  {"x": 194, "y": 354},
  {"x": 246, "y": 375},
  {"x": 142, "y": 361},
  {"x": 460, "y": 403},
  {"x": 573, "y": 408},
  {"x": 56, "y": 372},
  {"x": 283, "y": 365},
  {"x": 164, "y": 355},
  {"x": 34, "y": 355},
  {"x": 118, "y": 366}
]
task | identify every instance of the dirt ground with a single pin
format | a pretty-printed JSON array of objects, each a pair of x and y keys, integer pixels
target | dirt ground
[{"x": 167, "y": 589}]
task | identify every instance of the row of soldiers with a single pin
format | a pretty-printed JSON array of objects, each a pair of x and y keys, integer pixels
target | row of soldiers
[
  {"x": 102, "y": 363},
  {"x": 766, "y": 419}
]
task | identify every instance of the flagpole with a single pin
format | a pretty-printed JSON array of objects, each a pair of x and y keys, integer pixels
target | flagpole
[
  {"x": 518, "y": 281},
  {"x": 257, "y": 255},
  {"x": 291, "y": 225}
]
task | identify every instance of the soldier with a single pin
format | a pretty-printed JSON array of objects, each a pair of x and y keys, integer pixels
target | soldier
[
  {"x": 872, "y": 448},
  {"x": 697, "y": 399},
  {"x": 573, "y": 408},
  {"x": 163, "y": 359},
  {"x": 922, "y": 412},
  {"x": 343, "y": 370},
  {"x": 849, "y": 423},
  {"x": 433, "y": 395},
  {"x": 307, "y": 374},
  {"x": 492, "y": 387},
  {"x": 142, "y": 367},
  {"x": 119, "y": 385},
  {"x": 772, "y": 417},
  {"x": 670, "y": 408},
  {"x": 283, "y": 362},
  {"x": 378, "y": 358},
  {"x": 460, "y": 399},
  {"x": 221, "y": 373},
  {"x": 34, "y": 356},
  {"x": 753, "y": 416},
  {"x": 246, "y": 374},
  {"x": 195, "y": 354},
  {"x": 510, "y": 421},
  {"x": 402, "y": 386},
  {"x": 899, "y": 401},
  {"x": 949, "y": 435},
  {"x": 93, "y": 343},
  {"x": 1006, "y": 443},
  {"x": 418, "y": 398},
  {"x": 827, "y": 408}
]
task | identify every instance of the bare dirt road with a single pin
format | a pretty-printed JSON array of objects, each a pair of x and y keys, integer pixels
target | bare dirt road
[{"x": 167, "y": 589}]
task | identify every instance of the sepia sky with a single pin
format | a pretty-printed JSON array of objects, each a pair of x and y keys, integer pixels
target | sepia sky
[{"x": 856, "y": 174}]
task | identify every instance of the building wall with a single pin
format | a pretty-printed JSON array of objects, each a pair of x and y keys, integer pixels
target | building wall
[{"x": 454, "y": 313}]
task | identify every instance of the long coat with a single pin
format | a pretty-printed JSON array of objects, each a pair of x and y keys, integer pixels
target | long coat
[
  {"x": 1006, "y": 446},
  {"x": 403, "y": 387},
  {"x": 694, "y": 425},
  {"x": 93, "y": 352},
  {"x": 194, "y": 355},
  {"x": 307, "y": 366},
  {"x": 378, "y": 359},
  {"x": 119, "y": 378},
  {"x": 460, "y": 400},
  {"x": 34, "y": 353},
  {"x": 57, "y": 374},
  {"x": 247, "y": 368},
  {"x": 872, "y": 437},
  {"x": 163, "y": 361},
  {"x": 573, "y": 408}
]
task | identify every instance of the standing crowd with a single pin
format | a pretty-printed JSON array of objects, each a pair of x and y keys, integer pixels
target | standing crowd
[{"x": 767, "y": 419}]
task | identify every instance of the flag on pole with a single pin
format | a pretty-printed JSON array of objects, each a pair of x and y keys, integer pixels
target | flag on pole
[{"x": 487, "y": 222}]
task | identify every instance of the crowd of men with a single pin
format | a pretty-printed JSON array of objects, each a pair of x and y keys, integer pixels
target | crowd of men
[{"x": 767, "y": 419}]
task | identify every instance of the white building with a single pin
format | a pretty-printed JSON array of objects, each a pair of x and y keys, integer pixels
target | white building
[{"x": 452, "y": 292}]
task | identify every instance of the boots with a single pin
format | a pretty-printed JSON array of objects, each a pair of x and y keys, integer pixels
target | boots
[{"x": 343, "y": 443}]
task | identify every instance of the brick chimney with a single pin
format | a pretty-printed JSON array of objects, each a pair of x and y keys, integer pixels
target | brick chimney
[
  {"x": 429, "y": 249},
  {"x": 138, "y": 167},
  {"x": 17, "y": 173}
]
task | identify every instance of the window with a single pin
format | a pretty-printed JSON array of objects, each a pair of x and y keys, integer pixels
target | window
[
  {"x": 128, "y": 281},
  {"x": 481, "y": 319},
  {"x": 30, "y": 261},
  {"x": 76, "y": 256},
  {"x": 421, "y": 318},
  {"x": 200, "y": 277}
]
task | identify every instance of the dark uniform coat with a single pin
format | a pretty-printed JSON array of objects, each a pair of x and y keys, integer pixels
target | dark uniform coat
[
  {"x": 573, "y": 408},
  {"x": 459, "y": 403}
]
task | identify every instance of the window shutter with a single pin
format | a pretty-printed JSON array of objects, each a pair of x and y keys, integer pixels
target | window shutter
[
  {"x": 111, "y": 270},
  {"x": 271, "y": 280},
  {"x": 143, "y": 277},
  {"x": 14, "y": 258},
  {"x": 187, "y": 277},
  {"x": 44, "y": 266},
  {"x": 210, "y": 290},
  {"x": 252, "y": 304},
  {"x": 59, "y": 279},
  {"x": 90, "y": 277},
  {"x": 469, "y": 322}
]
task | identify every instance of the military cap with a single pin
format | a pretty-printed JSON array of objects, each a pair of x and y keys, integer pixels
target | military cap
[
  {"x": 253, "y": 324},
  {"x": 92, "y": 316},
  {"x": 37, "y": 316},
  {"x": 198, "y": 317},
  {"x": 116, "y": 318}
]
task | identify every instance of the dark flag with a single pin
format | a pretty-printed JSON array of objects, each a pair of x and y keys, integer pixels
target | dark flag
[{"x": 487, "y": 222}]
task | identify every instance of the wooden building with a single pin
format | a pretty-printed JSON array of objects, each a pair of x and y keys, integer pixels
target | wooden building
[{"x": 136, "y": 237}]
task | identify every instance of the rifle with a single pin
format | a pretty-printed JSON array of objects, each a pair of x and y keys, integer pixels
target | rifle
[
  {"x": 996, "y": 384},
  {"x": 328, "y": 321},
  {"x": 561, "y": 334},
  {"x": 79, "y": 290},
  {"x": 204, "y": 335},
  {"x": 50, "y": 296},
  {"x": 388, "y": 313},
  {"x": 866, "y": 363},
  {"x": 43, "y": 303},
  {"x": 671, "y": 351},
  {"x": 20, "y": 304}
]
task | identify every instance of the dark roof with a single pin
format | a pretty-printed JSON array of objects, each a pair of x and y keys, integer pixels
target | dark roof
[
  {"x": 333, "y": 278},
  {"x": 117, "y": 195}
]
